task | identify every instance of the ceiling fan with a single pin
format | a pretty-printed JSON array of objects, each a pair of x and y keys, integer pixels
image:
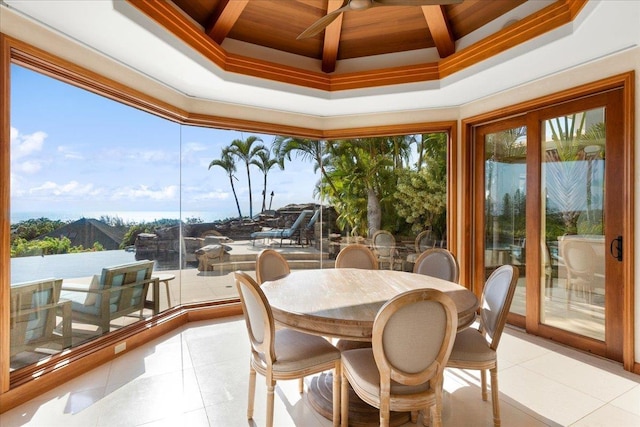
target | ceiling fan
[{"x": 357, "y": 5}]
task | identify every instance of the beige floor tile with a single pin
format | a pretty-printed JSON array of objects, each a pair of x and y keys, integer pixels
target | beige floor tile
[
  {"x": 544, "y": 398},
  {"x": 609, "y": 415},
  {"x": 629, "y": 401}
]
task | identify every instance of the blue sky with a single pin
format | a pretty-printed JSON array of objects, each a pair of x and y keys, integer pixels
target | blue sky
[{"x": 74, "y": 152}]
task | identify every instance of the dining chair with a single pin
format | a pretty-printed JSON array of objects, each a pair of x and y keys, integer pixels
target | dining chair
[
  {"x": 384, "y": 247},
  {"x": 404, "y": 369},
  {"x": 477, "y": 348},
  {"x": 282, "y": 354},
  {"x": 357, "y": 255},
  {"x": 581, "y": 261},
  {"x": 271, "y": 265},
  {"x": 438, "y": 262}
]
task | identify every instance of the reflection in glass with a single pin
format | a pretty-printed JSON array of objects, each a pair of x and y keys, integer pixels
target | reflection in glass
[
  {"x": 573, "y": 222},
  {"x": 505, "y": 215}
]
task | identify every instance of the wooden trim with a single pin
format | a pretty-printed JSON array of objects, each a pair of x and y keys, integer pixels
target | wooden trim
[
  {"x": 543, "y": 21},
  {"x": 628, "y": 309},
  {"x": 453, "y": 223},
  {"x": 68, "y": 365},
  {"x": 171, "y": 19},
  {"x": 5, "y": 219},
  {"x": 625, "y": 82},
  {"x": 465, "y": 254}
]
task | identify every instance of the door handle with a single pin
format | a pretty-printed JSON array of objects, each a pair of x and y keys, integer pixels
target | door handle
[{"x": 616, "y": 245}]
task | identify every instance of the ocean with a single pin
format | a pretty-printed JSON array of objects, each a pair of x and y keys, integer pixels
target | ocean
[{"x": 126, "y": 216}]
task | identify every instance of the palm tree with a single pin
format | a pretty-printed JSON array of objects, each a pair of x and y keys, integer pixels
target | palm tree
[
  {"x": 227, "y": 163},
  {"x": 265, "y": 163},
  {"x": 246, "y": 151},
  {"x": 307, "y": 149}
]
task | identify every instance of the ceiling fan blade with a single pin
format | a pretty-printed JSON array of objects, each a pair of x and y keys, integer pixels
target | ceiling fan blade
[
  {"x": 321, "y": 23},
  {"x": 415, "y": 2}
]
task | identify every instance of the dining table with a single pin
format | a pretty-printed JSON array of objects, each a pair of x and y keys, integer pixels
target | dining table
[{"x": 342, "y": 303}]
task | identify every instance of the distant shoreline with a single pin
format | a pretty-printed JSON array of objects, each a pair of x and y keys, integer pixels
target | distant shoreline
[{"x": 126, "y": 216}]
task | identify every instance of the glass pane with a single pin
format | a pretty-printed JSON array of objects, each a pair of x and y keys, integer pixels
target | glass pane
[
  {"x": 573, "y": 222},
  {"x": 97, "y": 186},
  {"x": 505, "y": 215},
  {"x": 85, "y": 172}
]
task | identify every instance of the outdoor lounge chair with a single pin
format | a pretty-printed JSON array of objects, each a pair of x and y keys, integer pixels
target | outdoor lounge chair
[
  {"x": 34, "y": 307},
  {"x": 282, "y": 233},
  {"x": 119, "y": 291}
]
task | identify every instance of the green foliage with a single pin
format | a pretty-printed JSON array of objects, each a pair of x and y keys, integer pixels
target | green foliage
[
  {"x": 48, "y": 246},
  {"x": 421, "y": 199},
  {"x": 33, "y": 228}
]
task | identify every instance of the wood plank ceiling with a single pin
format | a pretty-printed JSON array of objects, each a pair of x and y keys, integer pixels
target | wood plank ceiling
[{"x": 276, "y": 24}]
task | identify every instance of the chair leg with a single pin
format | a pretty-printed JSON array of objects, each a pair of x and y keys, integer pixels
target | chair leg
[
  {"x": 495, "y": 398},
  {"x": 301, "y": 385},
  {"x": 270, "y": 397},
  {"x": 344, "y": 401},
  {"x": 337, "y": 374},
  {"x": 252, "y": 392},
  {"x": 436, "y": 410},
  {"x": 483, "y": 383}
]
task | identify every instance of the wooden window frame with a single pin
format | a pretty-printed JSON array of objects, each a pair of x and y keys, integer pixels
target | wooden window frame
[
  {"x": 20, "y": 386},
  {"x": 625, "y": 82}
]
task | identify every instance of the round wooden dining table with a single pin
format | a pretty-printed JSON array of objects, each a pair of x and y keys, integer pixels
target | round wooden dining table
[{"x": 343, "y": 303}]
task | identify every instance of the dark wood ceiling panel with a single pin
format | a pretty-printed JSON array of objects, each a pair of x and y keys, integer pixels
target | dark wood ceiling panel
[
  {"x": 470, "y": 15},
  {"x": 383, "y": 30},
  {"x": 198, "y": 10}
]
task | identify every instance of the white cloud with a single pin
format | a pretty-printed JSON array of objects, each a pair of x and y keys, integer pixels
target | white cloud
[
  {"x": 71, "y": 188},
  {"x": 25, "y": 145},
  {"x": 70, "y": 154},
  {"x": 30, "y": 167},
  {"x": 213, "y": 195},
  {"x": 144, "y": 192}
]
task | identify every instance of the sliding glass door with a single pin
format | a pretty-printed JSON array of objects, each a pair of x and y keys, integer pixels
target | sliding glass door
[{"x": 549, "y": 182}]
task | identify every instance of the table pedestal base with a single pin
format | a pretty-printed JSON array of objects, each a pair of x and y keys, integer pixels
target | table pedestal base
[{"x": 320, "y": 395}]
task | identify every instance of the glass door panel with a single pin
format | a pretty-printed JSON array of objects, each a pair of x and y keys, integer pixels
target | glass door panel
[
  {"x": 505, "y": 216},
  {"x": 573, "y": 240}
]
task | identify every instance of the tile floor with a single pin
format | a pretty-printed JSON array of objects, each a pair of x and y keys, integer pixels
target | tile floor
[{"x": 197, "y": 376}]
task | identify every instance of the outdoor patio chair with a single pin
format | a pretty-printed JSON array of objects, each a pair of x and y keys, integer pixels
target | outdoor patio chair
[
  {"x": 581, "y": 261},
  {"x": 309, "y": 229},
  {"x": 34, "y": 307},
  {"x": 282, "y": 233},
  {"x": 119, "y": 291},
  {"x": 404, "y": 368}
]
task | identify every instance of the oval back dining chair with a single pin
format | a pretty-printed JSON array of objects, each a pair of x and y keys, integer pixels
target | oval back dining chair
[
  {"x": 473, "y": 350},
  {"x": 581, "y": 261},
  {"x": 284, "y": 354},
  {"x": 271, "y": 265},
  {"x": 357, "y": 256},
  {"x": 438, "y": 262},
  {"x": 384, "y": 247},
  {"x": 404, "y": 369}
]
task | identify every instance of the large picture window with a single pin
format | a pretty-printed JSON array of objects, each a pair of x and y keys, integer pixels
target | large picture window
[{"x": 118, "y": 215}]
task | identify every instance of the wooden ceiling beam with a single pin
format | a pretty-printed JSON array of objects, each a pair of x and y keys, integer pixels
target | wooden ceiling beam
[
  {"x": 224, "y": 18},
  {"x": 440, "y": 30},
  {"x": 332, "y": 39}
]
